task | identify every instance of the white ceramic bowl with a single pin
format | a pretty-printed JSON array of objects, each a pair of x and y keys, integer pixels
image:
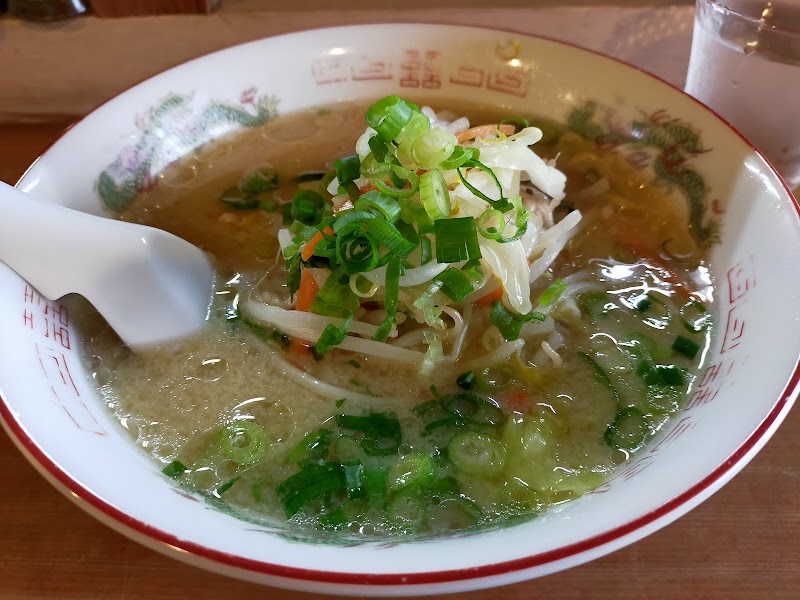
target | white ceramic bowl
[{"x": 55, "y": 418}]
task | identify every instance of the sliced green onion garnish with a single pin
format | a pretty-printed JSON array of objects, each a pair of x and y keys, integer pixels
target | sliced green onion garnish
[
  {"x": 411, "y": 178},
  {"x": 390, "y": 301},
  {"x": 312, "y": 482},
  {"x": 432, "y": 148},
  {"x": 388, "y": 116},
  {"x": 307, "y": 176},
  {"x": 347, "y": 169},
  {"x": 380, "y": 204},
  {"x": 354, "y": 479},
  {"x": 307, "y": 207},
  {"x": 695, "y": 316},
  {"x": 378, "y": 147},
  {"x": 386, "y": 234},
  {"x": 293, "y": 266},
  {"x": 601, "y": 376},
  {"x": 660, "y": 374},
  {"x": 510, "y": 323},
  {"x": 628, "y": 430},
  {"x": 434, "y": 195},
  {"x": 686, "y": 346},
  {"x": 332, "y": 336},
  {"x": 227, "y": 485},
  {"x": 455, "y": 284},
  {"x": 461, "y": 156},
  {"x": 314, "y": 445},
  {"x": 477, "y": 454},
  {"x": 349, "y": 216},
  {"x": 466, "y": 380},
  {"x": 518, "y": 122},
  {"x": 502, "y": 204},
  {"x": 174, "y": 469},
  {"x": 456, "y": 240},
  {"x": 382, "y": 434},
  {"x": 238, "y": 200},
  {"x": 551, "y": 295},
  {"x": 472, "y": 408},
  {"x": 264, "y": 179},
  {"x": 416, "y": 469},
  {"x": 243, "y": 442},
  {"x": 357, "y": 251},
  {"x": 491, "y": 224}
]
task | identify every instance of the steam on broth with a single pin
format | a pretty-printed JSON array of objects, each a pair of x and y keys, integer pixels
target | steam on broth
[{"x": 492, "y": 396}]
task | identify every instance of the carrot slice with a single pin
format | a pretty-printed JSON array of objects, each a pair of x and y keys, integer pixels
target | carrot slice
[
  {"x": 308, "y": 249},
  {"x": 307, "y": 291},
  {"x": 490, "y": 297},
  {"x": 484, "y": 131}
]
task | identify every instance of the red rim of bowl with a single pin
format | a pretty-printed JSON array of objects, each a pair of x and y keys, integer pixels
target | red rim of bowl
[{"x": 732, "y": 465}]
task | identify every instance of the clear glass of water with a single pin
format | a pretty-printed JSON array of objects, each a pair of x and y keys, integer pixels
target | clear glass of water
[{"x": 745, "y": 64}]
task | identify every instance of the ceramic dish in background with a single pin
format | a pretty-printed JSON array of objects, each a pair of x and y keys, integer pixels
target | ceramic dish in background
[{"x": 736, "y": 205}]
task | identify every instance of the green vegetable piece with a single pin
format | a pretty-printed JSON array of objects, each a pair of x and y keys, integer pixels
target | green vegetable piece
[
  {"x": 380, "y": 205},
  {"x": 695, "y": 316},
  {"x": 477, "y": 454},
  {"x": 388, "y": 116},
  {"x": 415, "y": 469},
  {"x": 243, "y": 442},
  {"x": 227, "y": 485},
  {"x": 314, "y": 445},
  {"x": 456, "y": 240},
  {"x": 552, "y": 293},
  {"x": 354, "y": 479},
  {"x": 466, "y": 380},
  {"x": 307, "y": 207},
  {"x": 601, "y": 376},
  {"x": 472, "y": 408},
  {"x": 375, "y": 484},
  {"x": 264, "y": 179},
  {"x": 382, "y": 434},
  {"x": 174, "y": 469},
  {"x": 434, "y": 195},
  {"x": 311, "y": 482},
  {"x": 597, "y": 304},
  {"x": 686, "y": 346},
  {"x": 406, "y": 511},
  {"x": 455, "y": 284},
  {"x": 238, "y": 200},
  {"x": 509, "y": 323},
  {"x": 628, "y": 430},
  {"x": 347, "y": 169}
]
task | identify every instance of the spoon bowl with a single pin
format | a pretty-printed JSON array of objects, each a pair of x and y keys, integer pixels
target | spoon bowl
[{"x": 151, "y": 286}]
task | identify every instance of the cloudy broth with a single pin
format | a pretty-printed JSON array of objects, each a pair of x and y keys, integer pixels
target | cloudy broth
[{"x": 571, "y": 405}]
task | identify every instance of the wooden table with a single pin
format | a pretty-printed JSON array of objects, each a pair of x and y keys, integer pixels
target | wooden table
[{"x": 743, "y": 543}]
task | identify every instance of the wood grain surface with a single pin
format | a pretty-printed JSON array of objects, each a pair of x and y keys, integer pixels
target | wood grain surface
[{"x": 742, "y": 544}]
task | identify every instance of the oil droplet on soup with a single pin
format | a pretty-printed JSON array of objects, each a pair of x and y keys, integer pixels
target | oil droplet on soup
[{"x": 239, "y": 415}]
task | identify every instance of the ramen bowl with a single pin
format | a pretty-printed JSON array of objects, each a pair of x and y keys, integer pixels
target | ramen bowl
[{"x": 735, "y": 206}]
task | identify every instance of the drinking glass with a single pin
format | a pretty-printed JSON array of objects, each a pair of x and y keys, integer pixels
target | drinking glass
[{"x": 745, "y": 64}]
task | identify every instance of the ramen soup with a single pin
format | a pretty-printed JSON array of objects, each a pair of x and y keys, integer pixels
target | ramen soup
[{"x": 443, "y": 331}]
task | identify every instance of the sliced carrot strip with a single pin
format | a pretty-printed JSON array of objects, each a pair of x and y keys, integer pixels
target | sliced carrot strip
[
  {"x": 484, "y": 131},
  {"x": 308, "y": 249},
  {"x": 307, "y": 291},
  {"x": 490, "y": 297}
]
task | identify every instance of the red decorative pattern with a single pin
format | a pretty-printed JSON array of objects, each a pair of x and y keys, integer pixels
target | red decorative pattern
[{"x": 49, "y": 319}]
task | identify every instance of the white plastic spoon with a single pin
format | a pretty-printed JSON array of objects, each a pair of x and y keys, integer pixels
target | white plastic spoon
[{"x": 151, "y": 286}]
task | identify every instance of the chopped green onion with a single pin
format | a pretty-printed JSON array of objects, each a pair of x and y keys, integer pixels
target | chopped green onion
[
  {"x": 388, "y": 116},
  {"x": 264, "y": 179},
  {"x": 243, "y": 442},
  {"x": 415, "y": 469},
  {"x": 268, "y": 205},
  {"x": 597, "y": 304},
  {"x": 628, "y": 430},
  {"x": 311, "y": 482},
  {"x": 695, "y": 316},
  {"x": 227, "y": 485},
  {"x": 375, "y": 483},
  {"x": 406, "y": 511},
  {"x": 174, "y": 469},
  {"x": 347, "y": 169},
  {"x": 433, "y": 147},
  {"x": 519, "y": 123},
  {"x": 686, "y": 346},
  {"x": 351, "y": 189},
  {"x": 390, "y": 301},
  {"x": 509, "y": 323},
  {"x": 238, "y": 200},
  {"x": 332, "y": 336},
  {"x": 426, "y": 250},
  {"x": 551, "y": 295},
  {"x": 378, "y": 148},
  {"x": 293, "y": 275},
  {"x": 491, "y": 224},
  {"x": 386, "y": 234},
  {"x": 382, "y": 434},
  {"x": 354, "y": 479},
  {"x": 357, "y": 251},
  {"x": 601, "y": 376},
  {"x": 477, "y": 454},
  {"x": 346, "y": 217},
  {"x": 411, "y": 178},
  {"x": 466, "y": 380},
  {"x": 434, "y": 195},
  {"x": 502, "y": 204},
  {"x": 659, "y": 374},
  {"x": 472, "y": 408},
  {"x": 307, "y": 207},
  {"x": 380, "y": 204},
  {"x": 460, "y": 157},
  {"x": 455, "y": 284},
  {"x": 456, "y": 240},
  {"x": 307, "y": 176},
  {"x": 314, "y": 445}
]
